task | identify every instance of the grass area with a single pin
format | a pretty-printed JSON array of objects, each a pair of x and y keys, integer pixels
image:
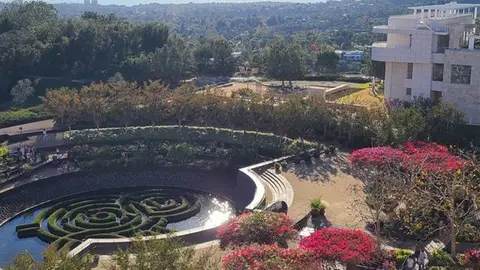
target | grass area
[{"x": 362, "y": 97}]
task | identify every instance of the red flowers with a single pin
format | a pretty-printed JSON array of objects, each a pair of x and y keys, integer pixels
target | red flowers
[
  {"x": 429, "y": 157},
  {"x": 472, "y": 257},
  {"x": 256, "y": 228},
  {"x": 271, "y": 257},
  {"x": 347, "y": 246}
]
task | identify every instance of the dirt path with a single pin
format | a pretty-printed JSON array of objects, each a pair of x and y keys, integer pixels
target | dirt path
[{"x": 29, "y": 127}]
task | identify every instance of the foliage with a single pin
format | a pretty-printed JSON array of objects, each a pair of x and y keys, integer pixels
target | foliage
[
  {"x": 256, "y": 228},
  {"x": 21, "y": 116},
  {"x": 440, "y": 257},
  {"x": 168, "y": 253},
  {"x": 410, "y": 156},
  {"x": 317, "y": 205},
  {"x": 343, "y": 245},
  {"x": 327, "y": 61},
  {"x": 270, "y": 257},
  {"x": 472, "y": 257},
  {"x": 401, "y": 255},
  {"x": 283, "y": 61},
  {"x": 53, "y": 261},
  {"x": 22, "y": 91},
  {"x": 27, "y": 168}
]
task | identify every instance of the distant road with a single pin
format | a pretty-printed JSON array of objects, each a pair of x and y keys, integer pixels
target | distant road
[{"x": 29, "y": 127}]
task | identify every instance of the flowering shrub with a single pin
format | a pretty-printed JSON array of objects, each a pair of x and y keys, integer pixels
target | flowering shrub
[
  {"x": 472, "y": 257},
  {"x": 343, "y": 245},
  {"x": 271, "y": 257},
  {"x": 430, "y": 156},
  {"x": 258, "y": 227},
  {"x": 377, "y": 156}
]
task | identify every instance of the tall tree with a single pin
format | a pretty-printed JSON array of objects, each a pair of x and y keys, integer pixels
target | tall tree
[
  {"x": 154, "y": 100},
  {"x": 95, "y": 102},
  {"x": 327, "y": 61},
  {"x": 64, "y": 103},
  {"x": 283, "y": 61},
  {"x": 22, "y": 91}
]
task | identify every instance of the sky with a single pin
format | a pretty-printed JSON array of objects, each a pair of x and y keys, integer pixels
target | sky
[{"x": 135, "y": 2}]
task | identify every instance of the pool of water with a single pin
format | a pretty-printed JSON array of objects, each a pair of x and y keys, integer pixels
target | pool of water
[{"x": 214, "y": 210}]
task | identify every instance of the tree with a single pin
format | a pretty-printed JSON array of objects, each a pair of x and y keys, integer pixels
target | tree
[
  {"x": 116, "y": 78},
  {"x": 95, "y": 102},
  {"x": 283, "y": 61},
  {"x": 126, "y": 98},
  {"x": 22, "y": 91},
  {"x": 64, "y": 104},
  {"x": 182, "y": 102},
  {"x": 154, "y": 100},
  {"x": 327, "y": 61},
  {"x": 169, "y": 253}
]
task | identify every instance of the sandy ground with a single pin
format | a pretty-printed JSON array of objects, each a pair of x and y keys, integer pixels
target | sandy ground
[{"x": 329, "y": 180}]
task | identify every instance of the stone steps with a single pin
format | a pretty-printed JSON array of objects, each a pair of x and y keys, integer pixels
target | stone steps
[{"x": 279, "y": 186}]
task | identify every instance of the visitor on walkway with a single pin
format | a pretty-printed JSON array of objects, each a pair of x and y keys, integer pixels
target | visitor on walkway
[
  {"x": 410, "y": 263},
  {"x": 423, "y": 259}
]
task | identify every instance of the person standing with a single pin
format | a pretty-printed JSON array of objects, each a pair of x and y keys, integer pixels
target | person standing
[
  {"x": 410, "y": 263},
  {"x": 423, "y": 259}
]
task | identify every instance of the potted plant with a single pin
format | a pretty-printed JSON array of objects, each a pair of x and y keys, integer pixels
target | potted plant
[
  {"x": 317, "y": 207},
  {"x": 27, "y": 168}
]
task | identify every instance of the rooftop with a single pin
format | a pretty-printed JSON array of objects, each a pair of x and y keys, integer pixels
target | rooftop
[{"x": 448, "y": 6}]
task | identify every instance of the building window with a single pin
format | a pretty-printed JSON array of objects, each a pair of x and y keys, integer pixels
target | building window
[
  {"x": 437, "y": 72},
  {"x": 411, "y": 41},
  {"x": 436, "y": 95},
  {"x": 461, "y": 74},
  {"x": 408, "y": 92},
  {"x": 410, "y": 71}
]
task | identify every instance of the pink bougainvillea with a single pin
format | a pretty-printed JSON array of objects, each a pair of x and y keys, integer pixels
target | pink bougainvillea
[
  {"x": 271, "y": 257},
  {"x": 411, "y": 156},
  {"x": 256, "y": 228},
  {"x": 377, "y": 156},
  {"x": 343, "y": 245},
  {"x": 472, "y": 257}
]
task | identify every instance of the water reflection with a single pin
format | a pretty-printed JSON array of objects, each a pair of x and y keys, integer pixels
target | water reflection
[{"x": 221, "y": 212}]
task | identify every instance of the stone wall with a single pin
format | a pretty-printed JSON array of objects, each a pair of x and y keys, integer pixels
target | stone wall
[{"x": 22, "y": 198}]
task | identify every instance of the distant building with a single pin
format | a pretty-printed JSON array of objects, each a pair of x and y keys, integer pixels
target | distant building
[
  {"x": 350, "y": 55},
  {"x": 86, "y": 2},
  {"x": 431, "y": 52},
  {"x": 94, "y": 2}
]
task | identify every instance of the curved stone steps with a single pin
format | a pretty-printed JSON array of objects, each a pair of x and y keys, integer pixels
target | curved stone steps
[{"x": 279, "y": 186}]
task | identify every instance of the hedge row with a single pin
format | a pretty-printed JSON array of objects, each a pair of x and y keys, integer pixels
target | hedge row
[
  {"x": 22, "y": 116},
  {"x": 337, "y": 77},
  {"x": 175, "y": 133}
]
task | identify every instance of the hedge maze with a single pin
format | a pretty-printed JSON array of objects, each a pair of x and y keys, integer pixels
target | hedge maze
[{"x": 110, "y": 214}]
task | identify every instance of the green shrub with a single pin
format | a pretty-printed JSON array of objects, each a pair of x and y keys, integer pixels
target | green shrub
[
  {"x": 317, "y": 205},
  {"x": 401, "y": 255},
  {"x": 27, "y": 168},
  {"x": 440, "y": 257},
  {"x": 22, "y": 116}
]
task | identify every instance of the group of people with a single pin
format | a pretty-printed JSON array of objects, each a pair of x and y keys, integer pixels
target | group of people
[
  {"x": 418, "y": 260},
  {"x": 25, "y": 154}
]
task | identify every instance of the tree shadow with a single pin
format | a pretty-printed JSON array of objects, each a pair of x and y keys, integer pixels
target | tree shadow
[{"x": 321, "y": 169}]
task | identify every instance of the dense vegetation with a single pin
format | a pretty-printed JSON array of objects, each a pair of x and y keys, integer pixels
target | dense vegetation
[{"x": 46, "y": 46}]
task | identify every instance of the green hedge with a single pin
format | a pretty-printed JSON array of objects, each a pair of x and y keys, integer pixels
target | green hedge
[
  {"x": 22, "y": 116},
  {"x": 175, "y": 133},
  {"x": 337, "y": 77}
]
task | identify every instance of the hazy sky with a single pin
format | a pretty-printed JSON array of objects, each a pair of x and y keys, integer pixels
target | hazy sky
[{"x": 135, "y": 2}]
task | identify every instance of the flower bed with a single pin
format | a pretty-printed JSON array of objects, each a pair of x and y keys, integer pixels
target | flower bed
[
  {"x": 257, "y": 228},
  {"x": 347, "y": 246},
  {"x": 430, "y": 156},
  {"x": 270, "y": 257}
]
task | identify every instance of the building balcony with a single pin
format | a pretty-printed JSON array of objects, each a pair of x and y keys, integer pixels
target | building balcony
[{"x": 380, "y": 52}]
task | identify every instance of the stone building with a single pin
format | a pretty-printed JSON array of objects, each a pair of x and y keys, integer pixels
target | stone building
[{"x": 432, "y": 53}]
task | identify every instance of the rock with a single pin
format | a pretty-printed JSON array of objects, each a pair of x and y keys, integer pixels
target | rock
[{"x": 277, "y": 207}]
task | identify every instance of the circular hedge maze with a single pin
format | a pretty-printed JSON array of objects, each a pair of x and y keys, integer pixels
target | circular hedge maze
[{"x": 110, "y": 214}]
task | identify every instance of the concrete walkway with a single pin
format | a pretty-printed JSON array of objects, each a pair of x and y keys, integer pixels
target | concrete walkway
[{"x": 28, "y": 127}]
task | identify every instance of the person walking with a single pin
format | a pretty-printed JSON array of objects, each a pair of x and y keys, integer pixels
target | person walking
[{"x": 410, "y": 263}]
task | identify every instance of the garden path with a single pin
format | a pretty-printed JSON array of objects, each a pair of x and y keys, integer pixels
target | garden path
[{"x": 329, "y": 179}]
